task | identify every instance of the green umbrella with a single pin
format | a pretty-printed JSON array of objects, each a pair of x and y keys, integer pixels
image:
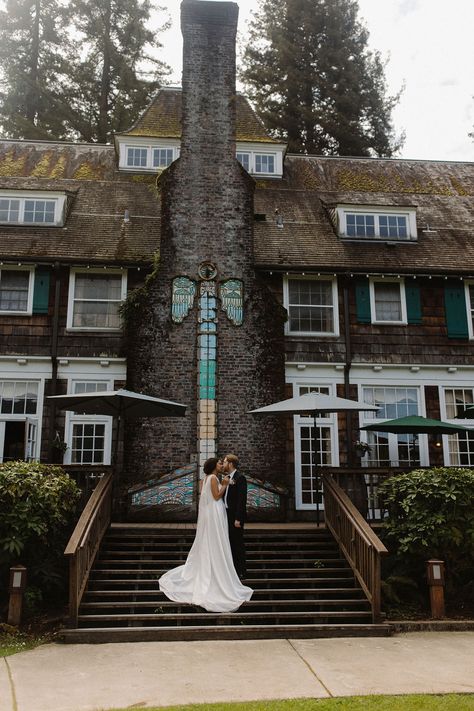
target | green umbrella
[{"x": 415, "y": 424}]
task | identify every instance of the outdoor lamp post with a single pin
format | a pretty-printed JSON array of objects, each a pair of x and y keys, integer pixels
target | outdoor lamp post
[
  {"x": 16, "y": 590},
  {"x": 435, "y": 575}
]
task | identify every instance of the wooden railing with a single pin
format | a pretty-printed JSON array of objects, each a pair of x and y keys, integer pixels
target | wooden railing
[
  {"x": 85, "y": 541},
  {"x": 359, "y": 544}
]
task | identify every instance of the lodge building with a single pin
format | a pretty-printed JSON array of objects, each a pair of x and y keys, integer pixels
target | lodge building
[{"x": 194, "y": 259}]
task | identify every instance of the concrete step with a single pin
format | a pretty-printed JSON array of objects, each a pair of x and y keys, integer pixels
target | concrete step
[{"x": 219, "y": 632}]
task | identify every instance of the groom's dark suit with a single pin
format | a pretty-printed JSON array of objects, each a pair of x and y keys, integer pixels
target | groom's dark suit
[{"x": 236, "y": 505}]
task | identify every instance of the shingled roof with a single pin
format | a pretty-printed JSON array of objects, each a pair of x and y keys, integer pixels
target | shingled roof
[
  {"x": 95, "y": 231},
  {"x": 162, "y": 119},
  {"x": 441, "y": 191}
]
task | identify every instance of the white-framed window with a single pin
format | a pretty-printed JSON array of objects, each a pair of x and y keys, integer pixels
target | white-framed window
[
  {"x": 19, "y": 406},
  {"x": 88, "y": 437},
  {"x": 371, "y": 222},
  {"x": 258, "y": 163},
  {"x": 244, "y": 160},
  {"x": 388, "y": 449},
  {"x": 312, "y": 306},
  {"x": 308, "y": 452},
  {"x": 95, "y": 296},
  {"x": 32, "y": 208},
  {"x": 142, "y": 154},
  {"x": 458, "y": 448},
  {"x": 387, "y": 301},
  {"x": 16, "y": 290}
]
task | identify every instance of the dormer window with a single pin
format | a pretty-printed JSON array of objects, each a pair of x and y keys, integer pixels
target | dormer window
[
  {"x": 143, "y": 155},
  {"x": 28, "y": 208},
  {"x": 376, "y": 223},
  {"x": 261, "y": 159}
]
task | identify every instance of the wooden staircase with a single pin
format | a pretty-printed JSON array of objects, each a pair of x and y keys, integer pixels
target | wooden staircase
[{"x": 303, "y": 587}]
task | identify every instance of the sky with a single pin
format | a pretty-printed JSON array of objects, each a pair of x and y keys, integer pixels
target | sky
[{"x": 430, "y": 50}]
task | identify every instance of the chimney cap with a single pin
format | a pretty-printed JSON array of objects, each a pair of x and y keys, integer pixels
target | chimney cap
[{"x": 209, "y": 13}]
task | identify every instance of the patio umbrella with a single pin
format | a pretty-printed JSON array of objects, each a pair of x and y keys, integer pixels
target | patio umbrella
[
  {"x": 313, "y": 404},
  {"x": 119, "y": 404},
  {"x": 415, "y": 424}
]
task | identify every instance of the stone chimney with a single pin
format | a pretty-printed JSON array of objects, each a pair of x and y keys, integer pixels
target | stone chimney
[{"x": 209, "y": 334}]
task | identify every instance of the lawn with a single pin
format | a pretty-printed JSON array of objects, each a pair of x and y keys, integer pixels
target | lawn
[
  {"x": 12, "y": 642},
  {"x": 416, "y": 702}
]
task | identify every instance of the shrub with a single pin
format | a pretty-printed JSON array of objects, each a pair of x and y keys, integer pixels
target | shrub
[
  {"x": 37, "y": 506},
  {"x": 431, "y": 515}
]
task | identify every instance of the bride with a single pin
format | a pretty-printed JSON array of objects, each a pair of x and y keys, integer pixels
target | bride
[{"x": 208, "y": 577}]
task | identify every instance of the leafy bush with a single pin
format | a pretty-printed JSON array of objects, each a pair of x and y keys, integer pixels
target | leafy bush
[
  {"x": 431, "y": 515},
  {"x": 37, "y": 507}
]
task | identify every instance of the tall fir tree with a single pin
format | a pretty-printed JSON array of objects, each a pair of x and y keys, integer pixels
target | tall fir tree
[
  {"x": 117, "y": 72},
  {"x": 313, "y": 80},
  {"x": 33, "y": 34},
  {"x": 77, "y": 69}
]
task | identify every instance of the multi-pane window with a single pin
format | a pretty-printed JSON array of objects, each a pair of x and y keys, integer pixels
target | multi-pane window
[
  {"x": 264, "y": 163},
  {"x": 18, "y": 397},
  {"x": 376, "y": 223},
  {"x": 162, "y": 157},
  {"x": 147, "y": 157},
  {"x": 32, "y": 209},
  {"x": 312, "y": 452},
  {"x": 15, "y": 285},
  {"x": 88, "y": 436},
  {"x": 244, "y": 159},
  {"x": 9, "y": 210},
  {"x": 94, "y": 300},
  {"x": 39, "y": 211},
  {"x": 393, "y": 226},
  {"x": 360, "y": 225},
  {"x": 137, "y": 157},
  {"x": 311, "y": 305},
  {"x": 387, "y": 301},
  {"x": 258, "y": 163},
  {"x": 461, "y": 445},
  {"x": 389, "y": 449}
]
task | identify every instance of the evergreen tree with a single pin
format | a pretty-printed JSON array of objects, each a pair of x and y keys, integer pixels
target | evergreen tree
[
  {"x": 313, "y": 80},
  {"x": 117, "y": 74},
  {"x": 77, "y": 69},
  {"x": 32, "y": 34}
]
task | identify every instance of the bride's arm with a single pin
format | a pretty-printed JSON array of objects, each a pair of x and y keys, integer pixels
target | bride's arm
[{"x": 216, "y": 490}]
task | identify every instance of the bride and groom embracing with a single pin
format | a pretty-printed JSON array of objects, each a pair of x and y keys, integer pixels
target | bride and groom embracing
[{"x": 211, "y": 576}]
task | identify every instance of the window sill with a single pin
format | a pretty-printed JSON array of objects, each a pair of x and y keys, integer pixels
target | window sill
[
  {"x": 81, "y": 329},
  {"x": 16, "y": 313}
]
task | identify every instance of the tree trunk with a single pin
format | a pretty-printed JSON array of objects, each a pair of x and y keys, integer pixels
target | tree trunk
[
  {"x": 102, "y": 133},
  {"x": 31, "y": 98}
]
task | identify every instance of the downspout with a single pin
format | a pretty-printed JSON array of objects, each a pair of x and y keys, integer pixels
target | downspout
[
  {"x": 54, "y": 357},
  {"x": 347, "y": 369}
]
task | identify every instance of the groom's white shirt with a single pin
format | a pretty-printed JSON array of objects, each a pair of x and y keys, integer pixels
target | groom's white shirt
[{"x": 231, "y": 476}]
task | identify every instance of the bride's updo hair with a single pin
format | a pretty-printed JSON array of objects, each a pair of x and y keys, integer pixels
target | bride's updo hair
[{"x": 210, "y": 465}]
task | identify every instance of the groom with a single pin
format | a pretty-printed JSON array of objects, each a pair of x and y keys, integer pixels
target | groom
[{"x": 235, "y": 500}]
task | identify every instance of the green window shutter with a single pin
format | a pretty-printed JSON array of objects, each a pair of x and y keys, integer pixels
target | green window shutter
[
  {"x": 413, "y": 299},
  {"x": 362, "y": 300},
  {"x": 41, "y": 292},
  {"x": 456, "y": 313}
]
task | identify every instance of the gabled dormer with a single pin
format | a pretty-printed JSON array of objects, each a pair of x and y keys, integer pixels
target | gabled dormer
[{"x": 153, "y": 142}]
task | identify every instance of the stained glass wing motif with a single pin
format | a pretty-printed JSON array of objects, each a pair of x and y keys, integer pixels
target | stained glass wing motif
[
  {"x": 232, "y": 293},
  {"x": 184, "y": 291}
]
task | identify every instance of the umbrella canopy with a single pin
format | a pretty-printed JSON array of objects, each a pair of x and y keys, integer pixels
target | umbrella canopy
[
  {"x": 119, "y": 403},
  {"x": 415, "y": 424},
  {"x": 312, "y": 404}
]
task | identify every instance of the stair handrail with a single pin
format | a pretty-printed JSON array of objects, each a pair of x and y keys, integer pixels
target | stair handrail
[
  {"x": 362, "y": 548},
  {"x": 85, "y": 542}
]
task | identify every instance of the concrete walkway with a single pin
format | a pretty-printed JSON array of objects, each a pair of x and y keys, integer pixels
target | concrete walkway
[{"x": 90, "y": 677}]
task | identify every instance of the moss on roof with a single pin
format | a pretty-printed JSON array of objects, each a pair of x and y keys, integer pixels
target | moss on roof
[
  {"x": 56, "y": 161},
  {"x": 162, "y": 119}
]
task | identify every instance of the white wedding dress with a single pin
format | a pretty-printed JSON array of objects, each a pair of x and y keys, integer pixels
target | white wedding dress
[{"x": 208, "y": 577}]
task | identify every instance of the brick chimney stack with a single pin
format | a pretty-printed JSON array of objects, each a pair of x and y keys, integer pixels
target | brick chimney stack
[{"x": 209, "y": 33}]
